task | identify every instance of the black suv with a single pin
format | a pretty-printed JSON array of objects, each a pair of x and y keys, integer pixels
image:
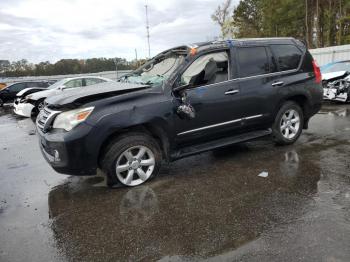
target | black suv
[{"x": 185, "y": 100}]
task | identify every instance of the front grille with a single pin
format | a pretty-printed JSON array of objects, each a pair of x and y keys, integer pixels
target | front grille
[{"x": 45, "y": 119}]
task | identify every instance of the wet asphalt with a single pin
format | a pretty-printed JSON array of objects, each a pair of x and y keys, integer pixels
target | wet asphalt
[{"x": 211, "y": 207}]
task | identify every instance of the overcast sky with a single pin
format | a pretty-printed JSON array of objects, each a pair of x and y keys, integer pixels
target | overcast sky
[{"x": 40, "y": 30}]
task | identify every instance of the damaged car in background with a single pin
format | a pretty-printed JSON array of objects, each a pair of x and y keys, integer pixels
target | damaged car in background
[
  {"x": 336, "y": 81},
  {"x": 30, "y": 101}
]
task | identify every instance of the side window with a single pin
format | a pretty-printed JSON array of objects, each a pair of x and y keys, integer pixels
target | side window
[
  {"x": 74, "y": 83},
  {"x": 287, "y": 56},
  {"x": 207, "y": 69},
  {"x": 43, "y": 84},
  {"x": 93, "y": 81},
  {"x": 34, "y": 84},
  {"x": 253, "y": 61},
  {"x": 17, "y": 87}
]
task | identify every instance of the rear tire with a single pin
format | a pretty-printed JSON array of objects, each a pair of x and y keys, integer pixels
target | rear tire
[
  {"x": 131, "y": 159},
  {"x": 288, "y": 124}
]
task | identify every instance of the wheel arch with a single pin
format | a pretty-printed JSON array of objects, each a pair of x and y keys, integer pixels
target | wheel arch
[
  {"x": 301, "y": 100},
  {"x": 154, "y": 130}
]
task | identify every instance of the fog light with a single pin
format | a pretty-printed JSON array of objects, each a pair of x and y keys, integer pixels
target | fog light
[{"x": 57, "y": 156}]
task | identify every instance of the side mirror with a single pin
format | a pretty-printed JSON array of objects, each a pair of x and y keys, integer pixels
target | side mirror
[
  {"x": 186, "y": 111},
  {"x": 62, "y": 88}
]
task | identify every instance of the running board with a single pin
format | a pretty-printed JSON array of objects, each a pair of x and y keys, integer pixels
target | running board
[{"x": 192, "y": 150}]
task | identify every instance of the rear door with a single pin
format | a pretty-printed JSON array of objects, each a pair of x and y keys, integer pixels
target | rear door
[
  {"x": 258, "y": 80},
  {"x": 289, "y": 59}
]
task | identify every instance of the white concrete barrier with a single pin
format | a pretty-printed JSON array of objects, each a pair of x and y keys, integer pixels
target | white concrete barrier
[
  {"x": 108, "y": 74},
  {"x": 331, "y": 54}
]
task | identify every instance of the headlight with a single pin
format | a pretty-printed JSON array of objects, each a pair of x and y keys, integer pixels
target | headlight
[
  {"x": 28, "y": 97},
  {"x": 68, "y": 120}
]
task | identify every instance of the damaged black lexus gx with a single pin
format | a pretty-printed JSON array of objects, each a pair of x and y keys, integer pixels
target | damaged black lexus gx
[{"x": 185, "y": 100}]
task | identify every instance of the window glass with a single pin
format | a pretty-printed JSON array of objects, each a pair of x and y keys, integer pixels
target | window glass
[
  {"x": 34, "y": 84},
  {"x": 93, "y": 81},
  {"x": 207, "y": 69},
  {"x": 17, "y": 87},
  {"x": 74, "y": 83},
  {"x": 272, "y": 60},
  {"x": 252, "y": 61},
  {"x": 287, "y": 56}
]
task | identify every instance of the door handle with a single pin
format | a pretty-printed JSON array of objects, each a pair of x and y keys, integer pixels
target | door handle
[
  {"x": 279, "y": 83},
  {"x": 231, "y": 92}
]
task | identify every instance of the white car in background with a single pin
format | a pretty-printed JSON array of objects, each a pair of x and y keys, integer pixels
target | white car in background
[{"x": 30, "y": 105}]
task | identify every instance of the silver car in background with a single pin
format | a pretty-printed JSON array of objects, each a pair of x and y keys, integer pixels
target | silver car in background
[{"x": 30, "y": 105}]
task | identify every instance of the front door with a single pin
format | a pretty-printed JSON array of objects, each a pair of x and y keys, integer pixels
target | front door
[{"x": 215, "y": 100}]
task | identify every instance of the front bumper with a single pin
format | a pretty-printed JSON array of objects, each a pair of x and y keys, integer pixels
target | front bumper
[
  {"x": 23, "y": 109},
  {"x": 68, "y": 152}
]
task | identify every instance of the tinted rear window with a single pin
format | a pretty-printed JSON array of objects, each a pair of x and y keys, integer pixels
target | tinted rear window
[
  {"x": 287, "y": 56},
  {"x": 252, "y": 61}
]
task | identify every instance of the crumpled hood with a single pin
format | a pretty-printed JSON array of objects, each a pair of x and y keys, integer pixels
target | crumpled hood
[
  {"x": 29, "y": 90},
  {"x": 328, "y": 76},
  {"x": 90, "y": 93}
]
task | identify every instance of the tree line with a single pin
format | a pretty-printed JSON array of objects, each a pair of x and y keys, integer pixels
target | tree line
[
  {"x": 319, "y": 23},
  {"x": 64, "y": 66}
]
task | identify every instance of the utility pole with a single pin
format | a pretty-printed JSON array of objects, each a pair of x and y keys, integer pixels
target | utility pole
[
  {"x": 147, "y": 28},
  {"x": 137, "y": 63}
]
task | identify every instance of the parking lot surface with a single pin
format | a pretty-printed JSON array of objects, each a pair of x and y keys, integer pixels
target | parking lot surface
[{"x": 212, "y": 207}]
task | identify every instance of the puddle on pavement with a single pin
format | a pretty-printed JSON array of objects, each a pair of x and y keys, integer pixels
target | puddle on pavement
[
  {"x": 210, "y": 205},
  {"x": 200, "y": 212}
]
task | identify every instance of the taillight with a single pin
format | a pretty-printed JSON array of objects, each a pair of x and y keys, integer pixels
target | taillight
[{"x": 317, "y": 72}]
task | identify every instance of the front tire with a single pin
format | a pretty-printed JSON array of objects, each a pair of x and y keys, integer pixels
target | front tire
[
  {"x": 132, "y": 159},
  {"x": 288, "y": 124}
]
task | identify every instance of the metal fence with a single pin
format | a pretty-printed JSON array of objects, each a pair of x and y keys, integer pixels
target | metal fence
[
  {"x": 107, "y": 74},
  {"x": 331, "y": 54}
]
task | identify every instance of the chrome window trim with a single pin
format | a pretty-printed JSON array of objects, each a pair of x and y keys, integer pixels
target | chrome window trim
[
  {"x": 219, "y": 124},
  {"x": 248, "y": 77}
]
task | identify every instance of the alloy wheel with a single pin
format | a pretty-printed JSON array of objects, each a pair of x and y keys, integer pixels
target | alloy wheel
[
  {"x": 135, "y": 165},
  {"x": 290, "y": 124}
]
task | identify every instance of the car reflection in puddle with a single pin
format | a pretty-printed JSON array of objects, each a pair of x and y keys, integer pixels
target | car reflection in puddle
[{"x": 214, "y": 207}]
